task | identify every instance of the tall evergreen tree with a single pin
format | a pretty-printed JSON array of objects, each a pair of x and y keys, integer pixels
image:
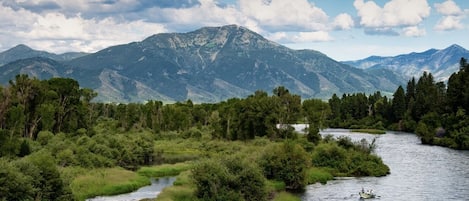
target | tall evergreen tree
[
  {"x": 399, "y": 104},
  {"x": 426, "y": 95},
  {"x": 458, "y": 90}
]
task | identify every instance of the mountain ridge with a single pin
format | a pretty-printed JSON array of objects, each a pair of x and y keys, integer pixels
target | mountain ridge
[
  {"x": 209, "y": 64},
  {"x": 22, "y": 51},
  {"x": 440, "y": 62}
]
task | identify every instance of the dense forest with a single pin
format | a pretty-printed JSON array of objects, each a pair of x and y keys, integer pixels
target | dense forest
[
  {"x": 51, "y": 132},
  {"x": 435, "y": 111}
]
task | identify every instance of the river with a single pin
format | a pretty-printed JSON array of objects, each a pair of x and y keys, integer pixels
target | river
[
  {"x": 418, "y": 172},
  {"x": 150, "y": 191}
]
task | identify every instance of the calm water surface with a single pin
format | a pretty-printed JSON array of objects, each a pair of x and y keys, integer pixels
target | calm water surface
[
  {"x": 418, "y": 172},
  {"x": 145, "y": 192}
]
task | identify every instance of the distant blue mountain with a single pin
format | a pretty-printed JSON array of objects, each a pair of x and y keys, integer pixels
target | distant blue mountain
[
  {"x": 24, "y": 52},
  {"x": 441, "y": 63}
]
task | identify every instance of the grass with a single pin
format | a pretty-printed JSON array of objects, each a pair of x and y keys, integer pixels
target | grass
[
  {"x": 164, "y": 170},
  {"x": 88, "y": 183},
  {"x": 369, "y": 130},
  {"x": 105, "y": 181},
  {"x": 276, "y": 190},
  {"x": 176, "y": 193},
  {"x": 275, "y": 186},
  {"x": 321, "y": 175},
  {"x": 178, "y": 150},
  {"x": 183, "y": 179},
  {"x": 182, "y": 189},
  {"x": 285, "y": 196}
]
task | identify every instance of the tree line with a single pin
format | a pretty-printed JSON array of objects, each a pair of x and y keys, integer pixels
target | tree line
[{"x": 435, "y": 111}]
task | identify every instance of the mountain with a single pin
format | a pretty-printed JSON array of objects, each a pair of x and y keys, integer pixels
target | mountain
[
  {"x": 441, "y": 63},
  {"x": 24, "y": 52},
  {"x": 209, "y": 65},
  {"x": 39, "y": 67}
]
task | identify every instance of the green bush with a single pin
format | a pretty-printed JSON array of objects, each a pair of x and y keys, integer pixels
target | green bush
[
  {"x": 43, "y": 137},
  {"x": 51, "y": 185},
  {"x": 25, "y": 149},
  {"x": 425, "y": 133},
  {"x": 14, "y": 185},
  {"x": 287, "y": 162},
  {"x": 228, "y": 179},
  {"x": 321, "y": 175},
  {"x": 330, "y": 155}
]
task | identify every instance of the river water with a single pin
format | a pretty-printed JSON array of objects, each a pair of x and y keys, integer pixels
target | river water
[
  {"x": 418, "y": 172},
  {"x": 150, "y": 191}
]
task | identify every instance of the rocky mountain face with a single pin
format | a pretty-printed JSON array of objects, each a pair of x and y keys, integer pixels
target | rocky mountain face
[
  {"x": 441, "y": 63},
  {"x": 207, "y": 65}
]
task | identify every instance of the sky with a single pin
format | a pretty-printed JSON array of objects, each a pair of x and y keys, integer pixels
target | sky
[{"x": 341, "y": 29}]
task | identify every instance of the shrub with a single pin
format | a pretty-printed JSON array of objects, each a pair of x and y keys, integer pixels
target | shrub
[
  {"x": 228, "y": 179},
  {"x": 14, "y": 185},
  {"x": 318, "y": 175},
  {"x": 288, "y": 163},
  {"x": 330, "y": 155},
  {"x": 25, "y": 149},
  {"x": 43, "y": 137}
]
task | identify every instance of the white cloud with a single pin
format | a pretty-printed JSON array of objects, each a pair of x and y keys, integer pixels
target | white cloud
[
  {"x": 413, "y": 31},
  {"x": 300, "y": 37},
  {"x": 343, "y": 21},
  {"x": 315, "y": 36},
  {"x": 207, "y": 13},
  {"x": 84, "y": 25},
  {"x": 448, "y": 8},
  {"x": 448, "y": 23},
  {"x": 452, "y": 16},
  {"x": 279, "y": 20},
  {"x": 395, "y": 13},
  {"x": 278, "y": 36},
  {"x": 286, "y": 15},
  {"x": 56, "y": 32}
]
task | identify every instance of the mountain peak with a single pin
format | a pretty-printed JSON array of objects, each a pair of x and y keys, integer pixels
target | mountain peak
[
  {"x": 20, "y": 48},
  {"x": 22, "y": 51},
  {"x": 210, "y": 38},
  {"x": 231, "y": 27},
  {"x": 455, "y": 47}
]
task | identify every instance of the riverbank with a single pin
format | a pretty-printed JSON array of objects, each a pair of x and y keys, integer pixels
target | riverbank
[
  {"x": 183, "y": 188},
  {"x": 369, "y": 131},
  {"x": 330, "y": 158},
  {"x": 89, "y": 183},
  {"x": 325, "y": 160}
]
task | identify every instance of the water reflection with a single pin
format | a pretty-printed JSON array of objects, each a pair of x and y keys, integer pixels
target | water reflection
[{"x": 150, "y": 191}]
